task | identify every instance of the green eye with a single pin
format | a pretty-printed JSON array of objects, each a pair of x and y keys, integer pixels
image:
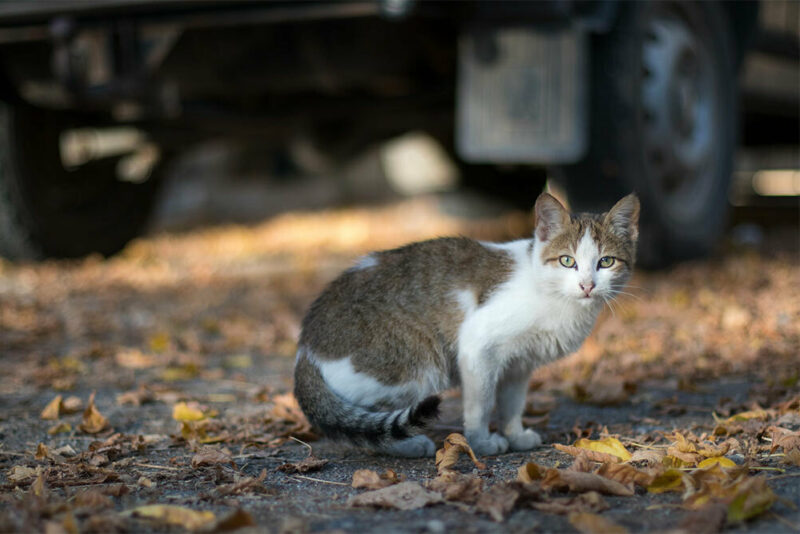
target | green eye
[
  {"x": 606, "y": 262},
  {"x": 567, "y": 261}
]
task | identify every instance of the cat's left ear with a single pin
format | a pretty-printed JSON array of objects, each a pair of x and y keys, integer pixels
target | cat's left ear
[{"x": 623, "y": 218}]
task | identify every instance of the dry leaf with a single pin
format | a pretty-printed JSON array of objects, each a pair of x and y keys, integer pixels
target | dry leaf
[
  {"x": 20, "y": 473},
  {"x": 607, "y": 445},
  {"x": 59, "y": 429},
  {"x": 211, "y": 456},
  {"x": 530, "y": 471},
  {"x": 234, "y": 521},
  {"x": 402, "y": 496},
  {"x": 71, "y": 404},
  {"x": 174, "y": 515},
  {"x": 580, "y": 482},
  {"x": 456, "y": 486},
  {"x": 788, "y": 441},
  {"x": 52, "y": 411},
  {"x": 369, "y": 479},
  {"x": 669, "y": 480},
  {"x": 93, "y": 421},
  {"x": 244, "y": 485},
  {"x": 595, "y": 456},
  {"x": 752, "y": 497},
  {"x": 591, "y": 501},
  {"x": 447, "y": 456},
  {"x": 309, "y": 464},
  {"x": 186, "y": 413},
  {"x": 707, "y": 520},
  {"x": 92, "y": 498},
  {"x": 719, "y": 460},
  {"x": 589, "y": 523},
  {"x": 498, "y": 501},
  {"x": 625, "y": 474},
  {"x": 648, "y": 457}
]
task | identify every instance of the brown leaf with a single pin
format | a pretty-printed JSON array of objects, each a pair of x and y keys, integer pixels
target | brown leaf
[
  {"x": 309, "y": 464},
  {"x": 92, "y": 498},
  {"x": 20, "y": 473},
  {"x": 71, "y": 404},
  {"x": 402, "y": 496},
  {"x": 498, "y": 501},
  {"x": 211, "y": 456},
  {"x": 530, "y": 471},
  {"x": 589, "y": 523},
  {"x": 581, "y": 482},
  {"x": 591, "y": 501},
  {"x": 788, "y": 441},
  {"x": 447, "y": 456},
  {"x": 595, "y": 456},
  {"x": 455, "y": 486},
  {"x": 650, "y": 457},
  {"x": 369, "y": 479},
  {"x": 52, "y": 411},
  {"x": 244, "y": 485},
  {"x": 233, "y": 521},
  {"x": 93, "y": 421},
  {"x": 625, "y": 474}
]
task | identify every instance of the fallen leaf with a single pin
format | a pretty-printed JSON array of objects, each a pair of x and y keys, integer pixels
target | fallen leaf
[
  {"x": 591, "y": 501},
  {"x": 759, "y": 415},
  {"x": 530, "y": 471},
  {"x": 752, "y": 498},
  {"x": 707, "y": 520},
  {"x": 626, "y": 474},
  {"x": 71, "y": 404},
  {"x": 305, "y": 466},
  {"x": 402, "y": 496},
  {"x": 20, "y": 473},
  {"x": 59, "y": 429},
  {"x": 669, "y": 480},
  {"x": 144, "y": 482},
  {"x": 447, "y": 456},
  {"x": 93, "y": 421},
  {"x": 92, "y": 498},
  {"x": 595, "y": 456},
  {"x": 52, "y": 411},
  {"x": 608, "y": 445},
  {"x": 589, "y": 523},
  {"x": 234, "y": 521},
  {"x": 498, "y": 501},
  {"x": 244, "y": 485},
  {"x": 174, "y": 515},
  {"x": 211, "y": 456},
  {"x": 787, "y": 440},
  {"x": 648, "y": 457},
  {"x": 187, "y": 413},
  {"x": 455, "y": 486},
  {"x": 717, "y": 460},
  {"x": 576, "y": 481},
  {"x": 369, "y": 479}
]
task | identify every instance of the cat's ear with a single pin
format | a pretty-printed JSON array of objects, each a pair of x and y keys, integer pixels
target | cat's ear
[
  {"x": 623, "y": 218},
  {"x": 551, "y": 217}
]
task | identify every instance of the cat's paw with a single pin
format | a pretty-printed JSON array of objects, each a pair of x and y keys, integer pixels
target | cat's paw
[
  {"x": 524, "y": 441},
  {"x": 414, "y": 447},
  {"x": 487, "y": 445}
]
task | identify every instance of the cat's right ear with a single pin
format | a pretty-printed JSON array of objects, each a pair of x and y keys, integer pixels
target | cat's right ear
[{"x": 551, "y": 217}]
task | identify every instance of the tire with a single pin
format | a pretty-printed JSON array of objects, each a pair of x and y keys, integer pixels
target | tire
[
  {"x": 663, "y": 123},
  {"x": 49, "y": 211}
]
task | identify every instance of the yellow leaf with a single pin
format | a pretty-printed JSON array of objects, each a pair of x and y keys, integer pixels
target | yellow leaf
[
  {"x": 184, "y": 412},
  {"x": 607, "y": 445},
  {"x": 721, "y": 460},
  {"x": 669, "y": 480},
  {"x": 174, "y": 515},
  {"x": 761, "y": 415},
  {"x": 238, "y": 361},
  {"x": 589, "y": 523},
  {"x": 53, "y": 409},
  {"x": 93, "y": 421},
  {"x": 59, "y": 428},
  {"x": 753, "y": 498},
  {"x": 181, "y": 372},
  {"x": 159, "y": 342}
]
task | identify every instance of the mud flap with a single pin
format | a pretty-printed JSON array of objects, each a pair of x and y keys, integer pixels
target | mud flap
[{"x": 522, "y": 95}]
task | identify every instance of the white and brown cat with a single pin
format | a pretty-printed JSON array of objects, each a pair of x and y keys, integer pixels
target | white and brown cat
[{"x": 402, "y": 325}]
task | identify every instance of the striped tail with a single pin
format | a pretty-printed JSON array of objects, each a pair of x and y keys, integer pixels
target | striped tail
[{"x": 338, "y": 418}]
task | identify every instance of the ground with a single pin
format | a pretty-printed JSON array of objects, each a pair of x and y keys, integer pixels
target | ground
[{"x": 173, "y": 362}]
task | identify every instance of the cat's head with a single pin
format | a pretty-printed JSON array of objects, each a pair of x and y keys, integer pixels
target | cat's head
[{"x": 587, "y": 257}]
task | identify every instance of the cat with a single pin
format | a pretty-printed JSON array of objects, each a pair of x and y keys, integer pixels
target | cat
[{"x": 402, "y": 325}]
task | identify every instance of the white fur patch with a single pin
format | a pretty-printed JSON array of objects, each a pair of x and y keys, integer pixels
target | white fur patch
[
  {"x": 365, "y": 262},
  {"x": 364, "y": 390}
]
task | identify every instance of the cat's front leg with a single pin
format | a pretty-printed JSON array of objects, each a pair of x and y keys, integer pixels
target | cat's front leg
[
  {"x": 477, "y": 391},
  {"x": 511, "y": 392}
]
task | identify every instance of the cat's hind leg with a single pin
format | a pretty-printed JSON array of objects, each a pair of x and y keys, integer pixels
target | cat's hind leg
[{"x": 419, "y": 446}]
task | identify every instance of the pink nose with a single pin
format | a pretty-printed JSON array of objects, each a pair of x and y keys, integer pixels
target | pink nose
[{"x": 587, "y": 287}]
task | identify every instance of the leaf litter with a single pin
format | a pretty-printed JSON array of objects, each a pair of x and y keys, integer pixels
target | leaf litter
[{"x": 689, "y": 328}]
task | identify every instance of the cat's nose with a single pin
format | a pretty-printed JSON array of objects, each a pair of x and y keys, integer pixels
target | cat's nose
[{"x": 587, "y": 287}]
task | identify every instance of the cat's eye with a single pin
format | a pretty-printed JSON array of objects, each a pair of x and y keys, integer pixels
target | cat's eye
[
  {"x": 606, "y": 262},
  {"x": 567, "y": 261}
]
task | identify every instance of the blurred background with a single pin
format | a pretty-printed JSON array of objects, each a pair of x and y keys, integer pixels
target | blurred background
[{"x": 122, "y": 117}]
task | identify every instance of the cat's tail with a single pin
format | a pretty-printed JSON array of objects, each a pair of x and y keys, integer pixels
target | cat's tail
[{"x": 339, "y": 418}]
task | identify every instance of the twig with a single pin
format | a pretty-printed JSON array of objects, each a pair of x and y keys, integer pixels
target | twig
[
  {"x": 320, "y": 480},
  {"x": 787, "y": 475},
  {"x": 301, "y": 442},
  {"x": 152, "y": 466}
]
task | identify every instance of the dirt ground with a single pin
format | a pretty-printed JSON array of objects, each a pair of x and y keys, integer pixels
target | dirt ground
[{"x": 160, "y": 377}]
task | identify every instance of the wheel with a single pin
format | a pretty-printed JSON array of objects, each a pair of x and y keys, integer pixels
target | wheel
[
  {"x": 47, "y": 210},
  {"x": 663, "y": 123}
]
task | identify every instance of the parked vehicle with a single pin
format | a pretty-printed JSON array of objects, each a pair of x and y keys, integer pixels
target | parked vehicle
[{"x": 610, "y": 96}]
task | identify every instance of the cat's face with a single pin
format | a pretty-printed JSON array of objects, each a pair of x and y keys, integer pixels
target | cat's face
[{"x": 588, "y": 257}]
